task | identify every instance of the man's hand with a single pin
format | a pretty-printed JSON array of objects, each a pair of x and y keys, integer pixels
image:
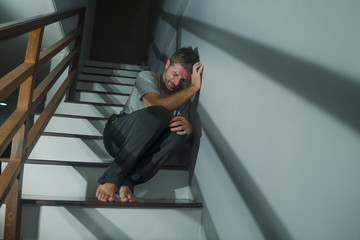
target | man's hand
[
  {"x": 180, "y": 125},
  {"x": 196, "y": 75}
]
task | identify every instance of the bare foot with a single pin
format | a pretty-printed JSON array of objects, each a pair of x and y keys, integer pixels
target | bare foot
[
  {"x": 106, "y": 192},
  {"x": 126, "y": 194}
]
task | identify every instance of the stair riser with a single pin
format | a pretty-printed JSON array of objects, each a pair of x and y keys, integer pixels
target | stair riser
[
  {"x": 95, "y": 78},
  {"x": 87, "y": 110},
  {"x": 69, "y": 181},
  {"x": 110, "y": 72},
  {"x": 104, "y": 87},
  {"x": 102, "y": 98},
  {"x": 70, "y": 149},
  {"x": 75, "y": 126},
  {"x": 102, "y": 223}
]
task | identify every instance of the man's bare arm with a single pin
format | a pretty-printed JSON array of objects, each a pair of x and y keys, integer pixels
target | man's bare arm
[{"x": 175, "y": 100}]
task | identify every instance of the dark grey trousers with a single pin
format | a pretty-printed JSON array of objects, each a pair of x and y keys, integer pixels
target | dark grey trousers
[{"x": 141, "y": 143}]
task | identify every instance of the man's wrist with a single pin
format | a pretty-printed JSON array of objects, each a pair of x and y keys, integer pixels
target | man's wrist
[{"x": 193, "y": 88}]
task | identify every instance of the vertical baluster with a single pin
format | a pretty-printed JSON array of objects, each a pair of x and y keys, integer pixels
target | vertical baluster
[
  {"x": 76, "y": 62},
  {"x": 18, "y": 148}
]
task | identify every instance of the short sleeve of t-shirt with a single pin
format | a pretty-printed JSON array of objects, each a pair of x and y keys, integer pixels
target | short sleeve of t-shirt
[{"x": 147, "y": 82}]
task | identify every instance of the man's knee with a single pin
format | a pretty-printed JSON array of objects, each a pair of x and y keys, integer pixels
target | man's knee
[{"x": 159, "y": 113}]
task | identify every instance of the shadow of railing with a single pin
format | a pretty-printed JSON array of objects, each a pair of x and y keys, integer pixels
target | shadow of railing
[{"x": 100, "y": 226}]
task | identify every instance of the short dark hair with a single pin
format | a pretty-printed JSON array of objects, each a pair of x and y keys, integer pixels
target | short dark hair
[{"x": 186, "y": 56}]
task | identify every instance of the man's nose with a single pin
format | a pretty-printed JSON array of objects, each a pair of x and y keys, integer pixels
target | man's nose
[{"x": 177, "y": 81}]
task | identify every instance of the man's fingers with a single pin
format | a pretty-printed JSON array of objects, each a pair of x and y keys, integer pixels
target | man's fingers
[
  {"x": 198, "y": 67},
  {"x": 180, "y": 131},
  {"x": 177, "y": 123},
  {"x": 177, "y": 128},
  {"x": 180, "y": 125}
]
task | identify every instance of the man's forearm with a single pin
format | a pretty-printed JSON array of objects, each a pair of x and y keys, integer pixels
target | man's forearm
[{"x": 171, "y": 102}]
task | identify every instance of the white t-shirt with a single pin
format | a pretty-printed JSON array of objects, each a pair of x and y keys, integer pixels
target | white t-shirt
[{"x": 150, "y": 82}]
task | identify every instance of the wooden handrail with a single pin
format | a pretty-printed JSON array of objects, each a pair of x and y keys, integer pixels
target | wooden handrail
[
  {"x": 45, "y": 85},
  {"x": 17, "y": 129},
  {"x": 11, "y": 81},
  {"x": 17, "y": 28},
  {"x": 40, "y": 124},
  {"x": 50, "y": 52},
  {"x": 10, "y": 127}
]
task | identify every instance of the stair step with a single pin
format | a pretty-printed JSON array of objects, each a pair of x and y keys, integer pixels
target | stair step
[
  {"x": 87, "y": 109},
  {"x": 71, "y": 179},
  {"x": 109, "y": 72},
  {"x": 104, "y": 87},
  {"x": 61, "y": 123},
  {"x": 116, "y": 65},
  {"x": 70, "y": 147},
  {"x": 79, "y": 147},
  {"x": 63, "y": 220},
  {"x": 107, "y": 79},
  {"x": 101, "y": 97}
]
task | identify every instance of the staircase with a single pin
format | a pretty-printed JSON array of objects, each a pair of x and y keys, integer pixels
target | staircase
[{"x": 60, "y": 176}]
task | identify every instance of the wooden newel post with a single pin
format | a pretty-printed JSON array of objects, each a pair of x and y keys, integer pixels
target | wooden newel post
[
  {"x": 76, "y": 62},
  {"x": 18, "y": 148}
]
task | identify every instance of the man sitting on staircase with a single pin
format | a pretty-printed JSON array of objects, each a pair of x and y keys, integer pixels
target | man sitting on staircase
[{"x": 152, "y": 126}]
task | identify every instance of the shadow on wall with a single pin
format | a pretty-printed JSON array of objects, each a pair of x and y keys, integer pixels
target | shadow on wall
[
  {"x": 267, "y": 220},
  {"x": 175, "y": 31},
  {"x": 332, "y": 92}
]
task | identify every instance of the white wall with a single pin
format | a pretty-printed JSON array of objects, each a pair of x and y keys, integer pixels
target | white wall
[
  {"x": 15, "y": 10},
  {"x": 279, "y": 155}
]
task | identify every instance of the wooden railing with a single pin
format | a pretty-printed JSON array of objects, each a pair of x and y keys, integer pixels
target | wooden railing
[{"x": 17, "y": 129}]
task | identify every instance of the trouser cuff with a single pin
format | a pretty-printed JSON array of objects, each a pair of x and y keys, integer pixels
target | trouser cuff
[{"x": 129, "y": 183}]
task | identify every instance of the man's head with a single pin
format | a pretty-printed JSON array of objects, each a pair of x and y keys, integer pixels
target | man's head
[
  {"x": 179, "y": 68},
  {"x": 186, "y": 57}
]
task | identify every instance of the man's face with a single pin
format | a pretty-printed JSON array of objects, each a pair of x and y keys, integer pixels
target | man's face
[{"x": 175, "y": 76}]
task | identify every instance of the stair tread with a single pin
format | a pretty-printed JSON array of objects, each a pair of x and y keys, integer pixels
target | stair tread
[{"x": 93, "y": 202}]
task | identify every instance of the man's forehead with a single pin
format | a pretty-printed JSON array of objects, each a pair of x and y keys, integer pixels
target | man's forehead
[{"x": 180, "y": 70}]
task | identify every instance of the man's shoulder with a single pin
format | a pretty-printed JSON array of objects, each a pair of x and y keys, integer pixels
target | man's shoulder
[
  {"x": 148, "y": 76},
  {"x": 149, "y": 73}
]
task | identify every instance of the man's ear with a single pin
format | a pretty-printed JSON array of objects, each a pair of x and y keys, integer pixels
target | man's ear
[{"x": 167, "y": 64}]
